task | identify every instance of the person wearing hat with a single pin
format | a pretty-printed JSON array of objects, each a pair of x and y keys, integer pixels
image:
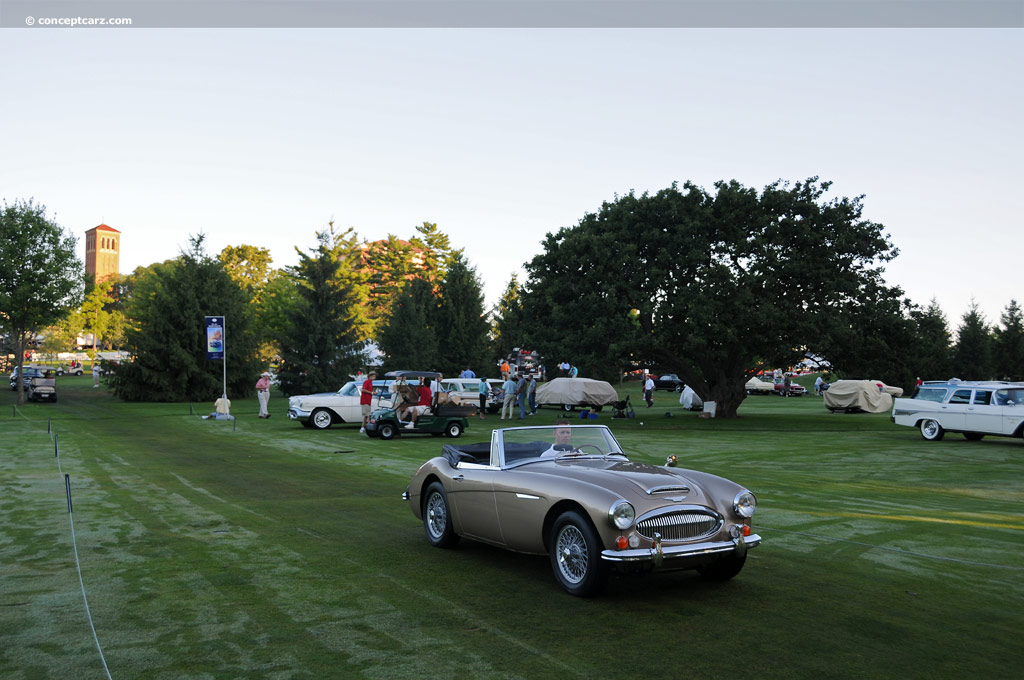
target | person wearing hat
[
  {"x": 366, "y": 398},
  {"x": 263, "y": 393}
]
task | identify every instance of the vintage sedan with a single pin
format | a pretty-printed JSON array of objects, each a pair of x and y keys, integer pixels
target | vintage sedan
[
  {"x": 568, "y": 491},
  {"x": 324, "y": 409},
  {"x": 668, "y": 381}
]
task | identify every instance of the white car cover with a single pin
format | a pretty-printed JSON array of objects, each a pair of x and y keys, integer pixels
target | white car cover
[
  {"x": 689, "y": 399},
  {"x": 576, "y": 392},
  {"x": 870, "y": 396}
]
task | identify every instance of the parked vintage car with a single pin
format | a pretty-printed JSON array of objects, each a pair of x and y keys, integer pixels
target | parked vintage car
[
  {"x": 26, "y": 377},
  {"x": 758, "y": 386},
  {"x": 795, "y": 388},
  {"x": 668, "y": 381},
  {"x": 973, "y": 408},
  {"x": 571, "y": 393},
  {"x": 324, "y": 409},
  {"x": 442, "y": 417},
  {"x": 570, "y": 493},
  {"x": 468, "y": 391}
]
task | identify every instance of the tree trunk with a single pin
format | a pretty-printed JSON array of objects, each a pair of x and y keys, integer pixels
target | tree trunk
[{"x": 728, "y": 396}]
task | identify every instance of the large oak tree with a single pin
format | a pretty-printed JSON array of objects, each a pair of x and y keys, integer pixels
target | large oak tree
[{"x": 712, "y": 286}]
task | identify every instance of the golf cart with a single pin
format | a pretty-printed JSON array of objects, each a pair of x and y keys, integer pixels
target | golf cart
[
  {"x": 42, "y": 387},
  {"x": 443, "y": 417}
]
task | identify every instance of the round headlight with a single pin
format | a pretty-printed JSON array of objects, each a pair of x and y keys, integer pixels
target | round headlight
[
  {"x": 744, "y": 504},
  {"x": 622, "y": 515}
]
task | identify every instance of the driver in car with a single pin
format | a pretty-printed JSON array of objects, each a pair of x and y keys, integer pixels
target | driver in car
[{"x": 563, "y": 440}]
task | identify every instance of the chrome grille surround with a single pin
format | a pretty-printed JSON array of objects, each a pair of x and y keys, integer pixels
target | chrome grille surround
[{"x": 680, "y": 523}]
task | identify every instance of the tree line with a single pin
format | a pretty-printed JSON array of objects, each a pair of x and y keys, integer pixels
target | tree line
[{"x": 712, "y": 285}]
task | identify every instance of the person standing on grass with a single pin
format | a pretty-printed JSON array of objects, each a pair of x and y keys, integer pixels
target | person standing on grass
[
  {"x": 532, "y": 392},
  {"x": 649, "y": 391},
  {"x": 484, "y": 389},
  {"x": 365, "y": 398},
  {"x": 509, "y": 389},
  {"x": 263, "y": 393},
  {"x": 521, "y": 388}
]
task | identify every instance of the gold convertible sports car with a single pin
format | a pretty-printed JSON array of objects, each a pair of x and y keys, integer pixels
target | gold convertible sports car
[{"x": 569, "y": 492}]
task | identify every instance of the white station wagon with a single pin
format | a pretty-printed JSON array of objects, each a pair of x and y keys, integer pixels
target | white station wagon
[{"x": 973, "y": 408}]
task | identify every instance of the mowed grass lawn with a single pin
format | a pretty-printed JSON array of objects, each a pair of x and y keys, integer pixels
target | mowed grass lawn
[{"x": 266, "y": 550}]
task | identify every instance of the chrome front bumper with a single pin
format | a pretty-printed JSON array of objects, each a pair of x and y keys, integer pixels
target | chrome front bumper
[
  {"x": 296, "y": 414},
  {"x": 680, "y": 553}
]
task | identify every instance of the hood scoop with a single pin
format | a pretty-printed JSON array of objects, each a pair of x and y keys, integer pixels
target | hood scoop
[{"x": 668, "y": 488}]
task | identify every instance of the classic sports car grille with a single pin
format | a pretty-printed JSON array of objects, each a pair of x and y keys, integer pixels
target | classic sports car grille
[{"x": 688, "y": 525}]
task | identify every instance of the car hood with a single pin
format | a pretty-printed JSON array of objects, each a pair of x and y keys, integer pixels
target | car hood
[{"x": 629, "y": 479}]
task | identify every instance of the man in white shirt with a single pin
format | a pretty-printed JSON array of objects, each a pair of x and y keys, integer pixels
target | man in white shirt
[{"x": 649, "y": 391}]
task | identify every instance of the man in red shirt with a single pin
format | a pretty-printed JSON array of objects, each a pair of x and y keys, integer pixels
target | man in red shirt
[
  {"x": 364, "y": 399},
  {"x": 422, "y": 405}
]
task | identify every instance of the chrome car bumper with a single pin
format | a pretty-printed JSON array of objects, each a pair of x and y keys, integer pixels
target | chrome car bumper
[
  {"x": 297, "y": 414},
  {"x": 660, "y": 553}
]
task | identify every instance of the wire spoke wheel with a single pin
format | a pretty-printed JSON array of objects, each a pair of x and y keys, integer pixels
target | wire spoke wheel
[{"x": 572, "y": 554}]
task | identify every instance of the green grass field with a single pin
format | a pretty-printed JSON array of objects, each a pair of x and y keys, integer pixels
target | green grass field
[{"x": 261, "y": 549}]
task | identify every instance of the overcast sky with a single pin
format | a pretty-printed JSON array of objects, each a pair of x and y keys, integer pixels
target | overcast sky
[{"x": 500, "y": 136}]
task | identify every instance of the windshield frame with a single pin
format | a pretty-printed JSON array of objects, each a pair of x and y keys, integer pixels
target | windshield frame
[{"x": 593, "y": 435}]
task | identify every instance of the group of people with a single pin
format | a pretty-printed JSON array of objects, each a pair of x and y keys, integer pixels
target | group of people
[{"x": 522, "y": 391}]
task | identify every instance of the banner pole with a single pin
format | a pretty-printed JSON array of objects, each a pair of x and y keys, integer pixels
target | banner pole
[{"x": 225, "y": 359}]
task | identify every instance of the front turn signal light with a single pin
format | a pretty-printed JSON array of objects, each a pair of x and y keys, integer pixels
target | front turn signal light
[{"x": 621, "y": 543}]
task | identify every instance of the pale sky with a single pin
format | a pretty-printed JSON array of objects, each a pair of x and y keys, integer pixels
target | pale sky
[{"x": 262, "y": 136}]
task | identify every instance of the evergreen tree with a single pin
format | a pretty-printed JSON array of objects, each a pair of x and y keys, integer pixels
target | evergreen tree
[
  {"x": 437, "y": 252},
  {"x": 166, "y": 333},
  {"x": 389, "y": 265},
  {"x": 326, "y": 332},
  {"x": 409, "y": 340},
  {"x": 508, "y": 328},
  {"x": 972, "y": 354},
  {"x": 461, "y": 324},
  {"x": 1009, "y": 344},
  {"x": 930, "y": 359}
]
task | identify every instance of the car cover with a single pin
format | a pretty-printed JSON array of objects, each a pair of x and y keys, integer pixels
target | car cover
[
  {"x": 688, "y": 399},
  {"x": 576, "y": 391},
  {"x": 870, "y": 396}
]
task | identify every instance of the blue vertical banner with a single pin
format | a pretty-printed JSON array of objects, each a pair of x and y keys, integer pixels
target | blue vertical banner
[{"x": 215, "y": 337}]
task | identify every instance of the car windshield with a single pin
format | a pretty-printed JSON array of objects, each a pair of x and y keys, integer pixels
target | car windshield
[
  {"x": 557, "y": 441},
  {"x": 349, "y": 389}
]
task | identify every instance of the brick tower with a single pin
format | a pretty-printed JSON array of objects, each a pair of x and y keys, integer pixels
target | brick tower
[{"x": 102, "y": 252}]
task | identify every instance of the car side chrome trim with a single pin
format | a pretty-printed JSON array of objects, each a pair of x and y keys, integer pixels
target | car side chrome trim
[
  {"x": 667, "y": 553},
  {"x": 527, "y": 496}
]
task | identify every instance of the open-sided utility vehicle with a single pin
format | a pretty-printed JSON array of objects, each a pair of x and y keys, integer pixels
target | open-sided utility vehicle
[{"x": 442, "y": 415}]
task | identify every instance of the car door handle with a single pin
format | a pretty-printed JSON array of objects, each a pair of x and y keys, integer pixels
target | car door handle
[{"x": 458, "y": 478}]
